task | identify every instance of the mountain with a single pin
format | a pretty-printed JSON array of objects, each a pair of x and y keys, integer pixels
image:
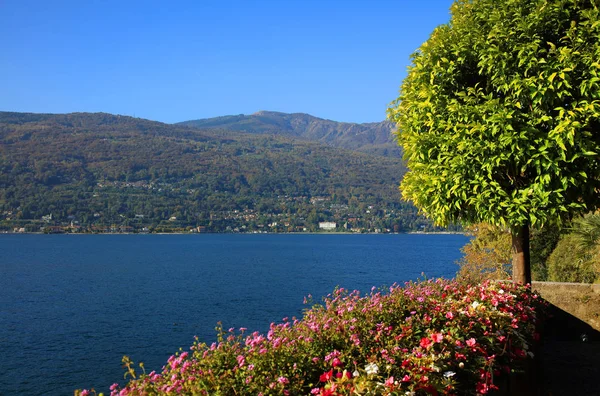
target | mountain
[
  {"x": 373, "y": 138},
  {"x": 104, "y": 172}
]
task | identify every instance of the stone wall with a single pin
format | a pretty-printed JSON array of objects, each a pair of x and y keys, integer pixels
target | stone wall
[{"x": 580, "y": 300}]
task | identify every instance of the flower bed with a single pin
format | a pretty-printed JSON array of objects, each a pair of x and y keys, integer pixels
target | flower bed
[{"x": 432, "y": 337}]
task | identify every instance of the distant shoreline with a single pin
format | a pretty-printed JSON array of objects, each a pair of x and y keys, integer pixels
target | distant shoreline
[{"x": 240, "y": 233}]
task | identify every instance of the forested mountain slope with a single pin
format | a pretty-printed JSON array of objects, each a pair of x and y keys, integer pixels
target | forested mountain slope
[
  {"x": 109, "y": 170},
  {"x": 373, "y": 138}
]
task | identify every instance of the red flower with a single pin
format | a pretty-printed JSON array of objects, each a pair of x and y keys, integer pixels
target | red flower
[
  {"x": 425, "y": 342},
  {"x": 482, "y": 388},
  {"x": 326, "y": 376},
  {"x": 520, "y": 353},
  {"x": 327, "y": 392}
]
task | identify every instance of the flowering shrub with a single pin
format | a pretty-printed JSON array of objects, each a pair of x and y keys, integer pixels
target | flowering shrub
[{"x": 432, "y": 337}]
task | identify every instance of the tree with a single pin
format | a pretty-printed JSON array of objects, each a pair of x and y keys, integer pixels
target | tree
[
  {"x": 487, "y": 255},
  {"x": 499, "y": 117}
]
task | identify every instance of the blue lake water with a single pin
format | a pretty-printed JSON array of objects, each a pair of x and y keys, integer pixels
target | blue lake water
[{"x": 72, "y": 305}]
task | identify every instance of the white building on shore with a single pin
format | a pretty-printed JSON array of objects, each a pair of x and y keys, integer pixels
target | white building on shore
[{"x": 327, "y": 225}]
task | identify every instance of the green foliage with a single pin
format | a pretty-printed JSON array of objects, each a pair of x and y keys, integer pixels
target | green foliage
[
  {"x": 543, "y": 243},
  {"x": 569, "y": 262},
  {"x": 500, "y": 112},
  {"x": 577, "y": 255},
  {"x": 487, "y": 255},
  {"x": 586, "y": 229}
]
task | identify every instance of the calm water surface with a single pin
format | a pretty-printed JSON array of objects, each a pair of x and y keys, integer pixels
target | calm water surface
[{"x": 72, "y": 305}]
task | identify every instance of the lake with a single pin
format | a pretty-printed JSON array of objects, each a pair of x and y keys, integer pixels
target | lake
[{"x": 72, "y": 305}]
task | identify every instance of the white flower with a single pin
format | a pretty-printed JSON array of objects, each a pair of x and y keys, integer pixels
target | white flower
[
  {"x": 475, "y": 304},
  {"x": 407, "y": 393},
  {"x": 449, "y": 374},
  {"x": 371, "y": 368},
  {"x": 501, "y": 291},
  {"x": 355, "y": 373}
]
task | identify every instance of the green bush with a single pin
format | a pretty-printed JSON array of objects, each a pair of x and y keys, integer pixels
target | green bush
[{"x": 570, "y": 262}]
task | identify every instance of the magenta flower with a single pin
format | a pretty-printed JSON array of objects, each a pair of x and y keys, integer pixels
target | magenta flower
[
  {"x": 283, "y": 380},
  {"x": 336, "y": 362}
]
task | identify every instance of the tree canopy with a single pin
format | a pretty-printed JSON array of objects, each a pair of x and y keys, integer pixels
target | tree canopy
[{"x": 499, "y": 115}]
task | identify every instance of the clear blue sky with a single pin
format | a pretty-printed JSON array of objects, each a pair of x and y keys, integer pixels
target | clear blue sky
[{"x": 178, "y": 60}]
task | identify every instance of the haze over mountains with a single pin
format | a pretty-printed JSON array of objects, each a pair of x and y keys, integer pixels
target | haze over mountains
[
  {"x": 97, "y": 171},
  {"x": 373, "y": 138}
]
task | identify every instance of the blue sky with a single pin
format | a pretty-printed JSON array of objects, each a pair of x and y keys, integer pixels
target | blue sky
[{"x": 178, "y": 60}]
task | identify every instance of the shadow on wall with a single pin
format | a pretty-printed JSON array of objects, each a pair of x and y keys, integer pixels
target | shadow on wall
[
  {"x": 567, "y": 360},
  {"x": 563, "y": 326},
  {"x": 572, "y": 301}
]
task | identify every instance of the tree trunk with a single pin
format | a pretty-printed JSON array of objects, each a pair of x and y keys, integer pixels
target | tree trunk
[{"x": 520, "y": 249}]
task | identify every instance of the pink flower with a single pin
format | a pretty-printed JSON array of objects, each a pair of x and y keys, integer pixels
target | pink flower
[
  {"x": 114, "y": 386},
  {"x": 471, "y": 342},
  {"x": 283, "y": 380},
  {"x": 437, "y": 337},
  {"x": 336, "y": 362},
  {"x": 85, "y": 392},
  {"x": 406, "y": 378},
  {"x": 241, "y": 360},
  {"x": 389, "y": 382},
  {"x": 449, "y": 315}
]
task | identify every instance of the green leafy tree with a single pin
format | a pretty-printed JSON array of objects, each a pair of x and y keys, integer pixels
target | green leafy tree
[{"x": 499, "y": 117}]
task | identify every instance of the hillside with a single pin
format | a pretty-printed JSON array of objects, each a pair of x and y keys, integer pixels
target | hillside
[
  {"x": 107, "y": 172},
  {"x": 373, "y": 138}
]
